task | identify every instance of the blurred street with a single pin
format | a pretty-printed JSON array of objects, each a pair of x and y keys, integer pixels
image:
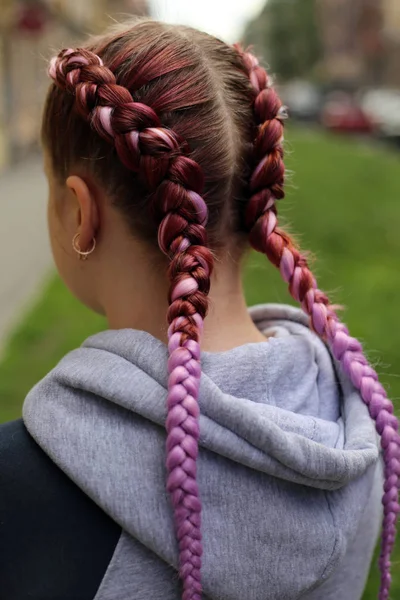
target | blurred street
[
  {"x": 30, "y": 31},
  {"x": 24, "y": 248}
]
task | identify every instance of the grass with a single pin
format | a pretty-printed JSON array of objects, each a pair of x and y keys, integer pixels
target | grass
[
  {"x": 344, "y": 199},
  {"x": 55, "y": 325}
]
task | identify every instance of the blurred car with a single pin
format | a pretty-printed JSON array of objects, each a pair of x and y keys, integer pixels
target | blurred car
[
  {"x": 303, "y": 99},
  {"x": 383, "y": 108},
  {"x": 341, "y": 112}
]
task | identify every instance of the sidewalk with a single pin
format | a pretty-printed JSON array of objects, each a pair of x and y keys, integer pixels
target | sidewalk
[{"x": 24, "y": 248}]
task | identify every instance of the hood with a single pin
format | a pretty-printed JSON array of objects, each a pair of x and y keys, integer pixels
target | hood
[{"x": 282, "y": 434}]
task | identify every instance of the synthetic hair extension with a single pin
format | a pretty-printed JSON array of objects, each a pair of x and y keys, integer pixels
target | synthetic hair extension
[
  {"x": 146, "y": 147},
  {"x": 265, "y": 188}
]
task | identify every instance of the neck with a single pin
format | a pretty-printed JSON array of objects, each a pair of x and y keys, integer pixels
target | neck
[{"x": 138, "y": 299}]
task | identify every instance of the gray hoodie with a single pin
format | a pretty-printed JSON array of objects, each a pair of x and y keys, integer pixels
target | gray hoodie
[{"x": 289, "y": 470}]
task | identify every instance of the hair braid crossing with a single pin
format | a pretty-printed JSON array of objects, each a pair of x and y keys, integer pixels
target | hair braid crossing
[
  {"x": 160, "y": 158},
  {"x": 265, "y": 187}
]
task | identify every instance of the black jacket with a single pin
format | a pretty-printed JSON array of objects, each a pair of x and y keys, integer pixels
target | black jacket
[{"x": 55, "y": 543}]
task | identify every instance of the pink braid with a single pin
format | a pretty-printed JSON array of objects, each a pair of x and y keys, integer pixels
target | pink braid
[
  {"x": 266, "y": 186},
  {"x": 160, "y": 158}
]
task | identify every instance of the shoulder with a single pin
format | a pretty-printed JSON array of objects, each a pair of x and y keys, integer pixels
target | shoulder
[
  {"x": 14, "y": 441},
  {"x": 55, "y": 541},
  {"x": 290, "y": 318},
  {"x": 303, "y": 357},
  {"x": 284, "y": 320},
  {"x": 18, "y": 456}
]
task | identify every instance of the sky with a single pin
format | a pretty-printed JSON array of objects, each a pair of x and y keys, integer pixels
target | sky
[{"x": 223, "y": 18}]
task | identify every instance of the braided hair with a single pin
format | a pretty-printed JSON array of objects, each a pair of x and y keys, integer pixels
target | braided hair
[
  {"x": 265, "y": 188},
  {"x": 161, "y": 158},
  {"x": 185, "y": 133}
]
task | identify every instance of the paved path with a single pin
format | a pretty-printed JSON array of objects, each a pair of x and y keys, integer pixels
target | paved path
[{"x": 24, "y": 248}]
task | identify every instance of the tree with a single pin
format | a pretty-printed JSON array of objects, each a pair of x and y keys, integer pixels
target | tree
[{"x": 286, "y": 34}]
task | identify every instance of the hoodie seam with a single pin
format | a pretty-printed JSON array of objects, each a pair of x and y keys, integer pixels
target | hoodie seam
[
  {"x": 314, "y": 430},
  {"x": 329, "y": 565},
  {"x": 330, "y": 560}
]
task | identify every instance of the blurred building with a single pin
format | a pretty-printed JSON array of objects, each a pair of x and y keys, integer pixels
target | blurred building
[
  {"x": 361, "y": 42},
  {"x": 391, "y": 33},
  {"x": 351, "y": 40},
  {"x": 30, "y": 30}
]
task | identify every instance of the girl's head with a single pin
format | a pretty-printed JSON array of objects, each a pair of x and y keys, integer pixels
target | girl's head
[
  {"x": 182, "y": 132},
  {"x": 164, "y": 155}
]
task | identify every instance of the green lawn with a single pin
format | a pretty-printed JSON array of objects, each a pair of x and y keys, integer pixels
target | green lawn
[{"x": 344, "y": 200}]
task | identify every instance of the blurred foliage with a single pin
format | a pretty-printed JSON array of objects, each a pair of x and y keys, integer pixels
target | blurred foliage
[
  {"x": 286, "y": 36},
  {"x": 55, "y": 325},
  {"x": 343, "y": 199}
]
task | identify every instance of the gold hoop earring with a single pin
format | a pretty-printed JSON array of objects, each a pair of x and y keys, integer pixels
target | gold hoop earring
[{"x": 76, "y": 247}]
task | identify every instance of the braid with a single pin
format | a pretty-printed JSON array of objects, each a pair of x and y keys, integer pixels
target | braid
[
  {"x": 160, "y": 158},
  {"x": 266, "y": 186}
]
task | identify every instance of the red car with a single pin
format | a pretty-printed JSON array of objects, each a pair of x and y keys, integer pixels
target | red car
[{"x": 342, "y": 113}]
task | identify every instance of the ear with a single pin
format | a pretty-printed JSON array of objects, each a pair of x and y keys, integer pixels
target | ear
[{"x": 88, "y": 220}]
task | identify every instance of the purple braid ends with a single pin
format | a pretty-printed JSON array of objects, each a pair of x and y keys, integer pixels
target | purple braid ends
[{"x": 265, "y": 188}]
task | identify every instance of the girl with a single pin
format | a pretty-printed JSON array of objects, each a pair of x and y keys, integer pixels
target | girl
[{"x": 164, "y": 157}]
